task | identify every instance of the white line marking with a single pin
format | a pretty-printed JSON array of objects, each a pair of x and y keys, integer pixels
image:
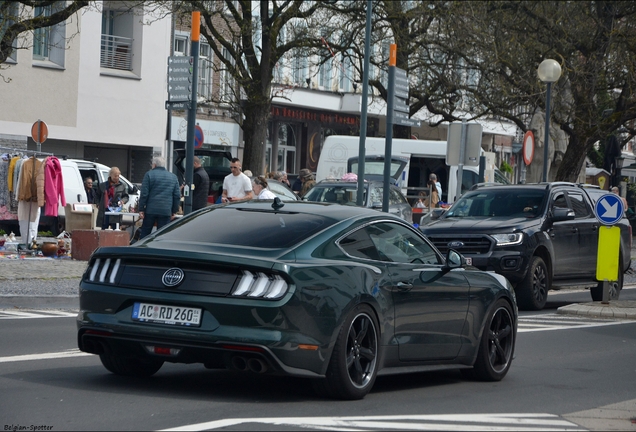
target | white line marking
[
  {"x": 479, "y": 422},
  {"x": 45, "y": 356},
  {"x": 24, "y": 314}
]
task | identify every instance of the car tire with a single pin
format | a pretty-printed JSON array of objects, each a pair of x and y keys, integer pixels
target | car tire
[
  {"x": 130, "y": 366},
  {"x": 532, "y": 291},
  {"x": 354, "y": 362},
  {"x": 496, "y": 346},
  {"x": 615, "y": 287}
]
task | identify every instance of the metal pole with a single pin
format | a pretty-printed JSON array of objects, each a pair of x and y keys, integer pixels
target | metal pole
[
  {"x": 546, "y": 141},
  {"x": 462, "y": 156},
  {"x": 363, "y": 113},
  {"x": 389, "y": 139},
  {"x": 192, "y": 114}
]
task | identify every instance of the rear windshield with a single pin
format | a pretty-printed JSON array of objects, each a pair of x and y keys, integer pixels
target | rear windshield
[
  {"x": 341, "y": 193},
  {"x": 246, "y": 227}
]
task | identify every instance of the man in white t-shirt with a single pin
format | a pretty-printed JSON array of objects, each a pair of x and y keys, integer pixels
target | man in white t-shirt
[{"x": 236, "y": 186}]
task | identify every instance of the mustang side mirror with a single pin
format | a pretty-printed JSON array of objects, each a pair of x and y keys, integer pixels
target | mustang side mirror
[{"x": 454, "y": 260}]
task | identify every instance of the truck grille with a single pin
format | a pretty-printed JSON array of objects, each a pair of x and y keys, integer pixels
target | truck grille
[{"x": 476, "y": 244}]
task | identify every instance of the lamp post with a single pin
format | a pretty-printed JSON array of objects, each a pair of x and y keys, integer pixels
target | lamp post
[
  {"x": 620, "y": 160},
  {"x": 549, "y": 71}
]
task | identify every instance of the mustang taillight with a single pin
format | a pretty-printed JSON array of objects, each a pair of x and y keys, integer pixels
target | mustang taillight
[
  {"x": 260, "y": 285},
  {"x": 105, "y": 271}
]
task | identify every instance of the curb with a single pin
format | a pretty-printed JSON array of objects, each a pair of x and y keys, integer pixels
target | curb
[
  {"x": 616, "y": 309},
  {"x": 39, "y": 302}
]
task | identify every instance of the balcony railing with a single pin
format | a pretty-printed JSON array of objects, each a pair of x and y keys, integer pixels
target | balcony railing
[{"x": 116, "y": 52}]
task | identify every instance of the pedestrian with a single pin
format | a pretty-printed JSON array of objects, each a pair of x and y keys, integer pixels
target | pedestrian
[
  {"x": 283, "y": 178},
  {"x": 236, "y": 186},
  {"x": 308, "y": 181},
  {"x": 90, "y": 192},
  {"x": 159, "y": 198},
  {"x": 201, "y": 182},
  {"x": 298, "y": 183},
  {"x": 616, "y": 191},
  {"x": 259, "y": 186},
  {"x": 432, "y": 180},
  {"x": 111, "y": 194}
]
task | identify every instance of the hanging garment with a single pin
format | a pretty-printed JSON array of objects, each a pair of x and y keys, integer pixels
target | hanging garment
[
  {"x": 12, "y": 164},
  {"x": 29, "y": 180},
  {"x": 53, "y": 186},
  {"x": 4, "y": 186}
]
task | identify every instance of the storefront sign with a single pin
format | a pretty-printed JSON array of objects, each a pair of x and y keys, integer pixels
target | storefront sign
[
  {"x": 325, "y": 118},
  {"x": 214, "y": 132}
]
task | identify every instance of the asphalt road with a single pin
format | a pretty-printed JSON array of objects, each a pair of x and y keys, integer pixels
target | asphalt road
[{"x": 573, "y": 374}]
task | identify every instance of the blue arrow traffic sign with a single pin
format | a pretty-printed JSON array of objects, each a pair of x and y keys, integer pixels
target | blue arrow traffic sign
[{"x": 609, "y": 209}]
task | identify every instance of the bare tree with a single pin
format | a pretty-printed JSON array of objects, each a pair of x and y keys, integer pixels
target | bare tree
[
  {"x": 249, "y": 44},
  {"x": 14, "y": 20}
]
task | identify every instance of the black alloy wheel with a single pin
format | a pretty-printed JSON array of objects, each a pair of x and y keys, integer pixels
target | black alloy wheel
[
  {"x": 353, "y": 365},
  {"x": 532, "y": 292},
  {"x": 496, "y": 346}
]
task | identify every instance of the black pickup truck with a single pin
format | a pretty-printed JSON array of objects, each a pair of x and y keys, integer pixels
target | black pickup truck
[{"x": 540, "y": 236}]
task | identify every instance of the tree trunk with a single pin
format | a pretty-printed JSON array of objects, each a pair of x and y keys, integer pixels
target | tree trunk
[
  {"x": 255, "y": 135},
  {"x": 572, "y": 160}
]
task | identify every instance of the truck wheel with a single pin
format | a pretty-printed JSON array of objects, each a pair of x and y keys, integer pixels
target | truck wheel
[
  {"x": 532, "y": 292},
  {"x": 615, "y": 287}
]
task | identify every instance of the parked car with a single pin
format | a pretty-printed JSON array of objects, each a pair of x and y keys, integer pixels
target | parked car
[
  {"x": 345, "y": 193},
  {"x": 539, "y": 236},
  {"x": 335, "y": 294},
  {"x": 281, "y": 190}
]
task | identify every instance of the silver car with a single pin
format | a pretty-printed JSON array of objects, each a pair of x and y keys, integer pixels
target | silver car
[{"x": 346, "y": 192}]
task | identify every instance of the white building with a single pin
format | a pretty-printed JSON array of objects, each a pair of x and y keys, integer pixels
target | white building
[{"x": 98, "y": 81}]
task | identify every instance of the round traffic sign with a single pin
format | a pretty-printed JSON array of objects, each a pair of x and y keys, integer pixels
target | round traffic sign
[
  {"x": 609, "y": 209},
  {"x": 528, "y": 147},
  {"x": 39, "y": 131},
  {"x": 198, "y": 137}
]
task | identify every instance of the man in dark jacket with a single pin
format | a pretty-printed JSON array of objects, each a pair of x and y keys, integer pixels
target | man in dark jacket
[
  {"x": 111, "y": 193},
  {"x": 201, "y": 182},
  {"x": 159, "y": 198}
]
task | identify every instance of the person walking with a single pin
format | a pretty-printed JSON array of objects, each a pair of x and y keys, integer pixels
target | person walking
[
  {"x": 201, "y": 182},
  {"x": 236, "y": 186},
  {"x": 159, "y": 198},
  {"x": 111, "y": 193},
  {"x": 623, "y": 200}
]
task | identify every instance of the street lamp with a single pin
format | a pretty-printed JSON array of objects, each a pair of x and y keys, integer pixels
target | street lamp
[
  {"x": 549, "y": 71},
  {"x": 620, "y": 160}
]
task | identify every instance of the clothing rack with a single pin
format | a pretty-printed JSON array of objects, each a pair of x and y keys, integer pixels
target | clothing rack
[{"x": 31, "y": 152}]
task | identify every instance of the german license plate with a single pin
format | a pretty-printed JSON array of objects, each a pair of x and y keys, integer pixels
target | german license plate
[
  {"x": 469, "y": 261},
  {"x": 162, "y": 314}
]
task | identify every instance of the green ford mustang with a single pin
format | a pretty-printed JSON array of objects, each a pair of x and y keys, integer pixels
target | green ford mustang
[{"x": 335, "y": 294}]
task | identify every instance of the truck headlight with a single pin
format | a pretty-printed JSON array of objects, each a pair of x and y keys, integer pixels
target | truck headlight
[{"x": 508, "y": 239}]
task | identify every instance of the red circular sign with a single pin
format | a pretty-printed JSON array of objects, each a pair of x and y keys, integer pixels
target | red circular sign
[
  {"x": 198, "y": 137},
  {"x": 528, "y": 147},
  {"x": 39, "y": 131}
]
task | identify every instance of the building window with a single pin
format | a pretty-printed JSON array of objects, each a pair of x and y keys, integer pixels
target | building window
[
  {"x": 180, "y": 46},
  {"x": 346, "y": 73},
  {"x": 117, "y": 38},
  {"x": 49, "y": 42},
  {"x": 204, "y": 89},
  {"x": 301, "y": 69}
]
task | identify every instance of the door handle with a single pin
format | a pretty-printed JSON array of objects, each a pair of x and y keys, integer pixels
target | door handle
[{"x": 403, "y": 286}]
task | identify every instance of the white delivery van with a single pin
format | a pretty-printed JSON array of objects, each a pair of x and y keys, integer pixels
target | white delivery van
[{"x": 424, "y": 157}]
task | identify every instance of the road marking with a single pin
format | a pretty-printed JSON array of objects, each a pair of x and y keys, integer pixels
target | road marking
[
  {"x": 476, "y": 422},
  {"x": 45, "y": 356},
  {"x": 547, "y": 322},
  {"x": 24, "y": 314}
]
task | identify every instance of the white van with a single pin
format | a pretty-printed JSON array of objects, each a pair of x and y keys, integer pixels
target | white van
[{"x": 425, "y": 157}]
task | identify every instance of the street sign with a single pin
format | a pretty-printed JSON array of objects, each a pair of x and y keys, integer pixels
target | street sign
[
  {"x": 39, "y": 132},
  {"x": 473, "y": 144},
  {"x": 528, "y": 147},
  {"x": 400, "y": 104},
  {"x": 609, "y": 209},
  {"x": 180, "y": 70},
  {"x": 607, "y": 253},
  {"x": 198, "y": 137},
  {"x": 178, "y": 105}
]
